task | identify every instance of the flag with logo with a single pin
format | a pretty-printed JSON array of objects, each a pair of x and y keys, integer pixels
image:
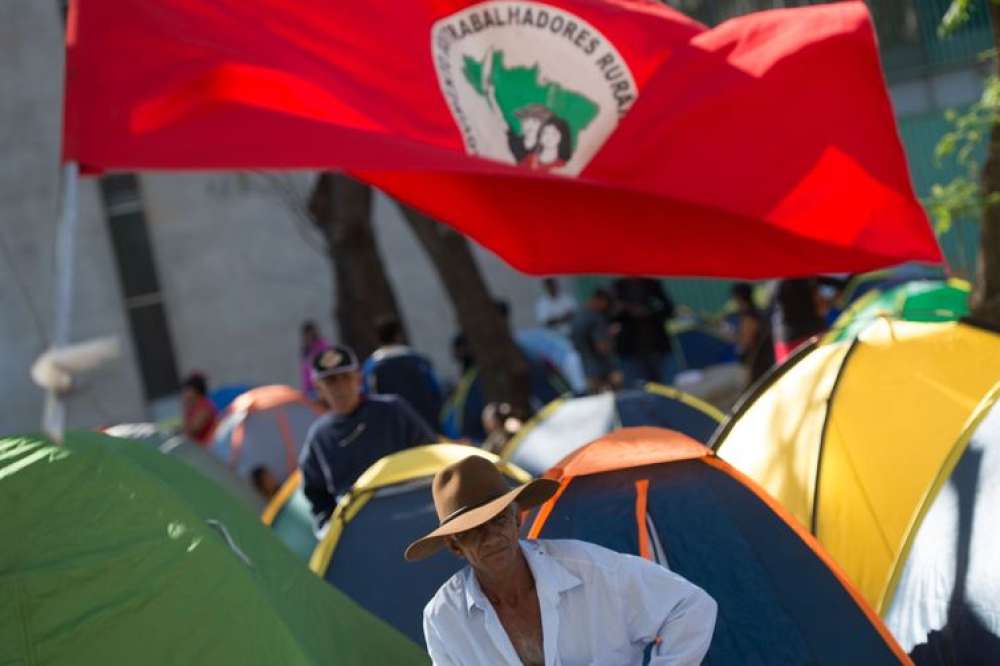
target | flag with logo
[{"x": 569, "y": 136}]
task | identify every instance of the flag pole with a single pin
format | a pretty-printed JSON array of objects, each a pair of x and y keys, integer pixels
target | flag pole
[{"x": 54, "y": 417}]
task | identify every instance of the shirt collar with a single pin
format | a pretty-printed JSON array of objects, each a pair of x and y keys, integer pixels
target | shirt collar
[{"x": 551, "y": 577}]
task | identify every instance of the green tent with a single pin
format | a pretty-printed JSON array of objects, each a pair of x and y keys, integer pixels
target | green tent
[
  {"x": 113, "y": 553},
  {"x": 918, "y": 300}
]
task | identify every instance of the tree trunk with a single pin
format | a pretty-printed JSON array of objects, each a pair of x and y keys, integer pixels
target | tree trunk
[
  {"x": 341, "y": 208},
  {"x": 986, "y": 299},
  {"x": 503, "y": 370}
]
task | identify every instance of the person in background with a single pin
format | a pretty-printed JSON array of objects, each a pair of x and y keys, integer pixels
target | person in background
[
  {"x": 501, "y": 422},
  {"x": 591, "y": 335},
  {"x": 199, "y": 414},
  {"x": 312, "y": 344},
  {"x": 264, "y": 482},
  {"x": 357, "y": 431},
  {"x": 796, "y": 315},
  {"x": 547, "y": 601},
  {"x": 395, "y": 368},
  {"x": 554, "y": 308},
  {"x": 643, "y": 343},
  {"x": 753, "y": 333}
]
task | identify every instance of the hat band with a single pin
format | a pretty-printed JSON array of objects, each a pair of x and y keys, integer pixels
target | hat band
[{"x": 467, "y": 508}]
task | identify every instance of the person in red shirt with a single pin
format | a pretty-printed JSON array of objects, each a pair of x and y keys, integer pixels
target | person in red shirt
[{"x": 200, "y": 414}]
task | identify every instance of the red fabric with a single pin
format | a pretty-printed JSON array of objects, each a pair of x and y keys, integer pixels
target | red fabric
[{"x": 763, "y": 147}]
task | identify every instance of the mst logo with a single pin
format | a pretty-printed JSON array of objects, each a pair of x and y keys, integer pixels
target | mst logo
[{"x": 530, "y": 84}]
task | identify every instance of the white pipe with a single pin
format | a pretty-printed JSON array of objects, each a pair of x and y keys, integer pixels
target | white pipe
[{"x": 54, "y": 418}]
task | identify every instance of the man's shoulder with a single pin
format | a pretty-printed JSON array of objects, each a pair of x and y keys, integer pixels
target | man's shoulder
[
  {"x": 450, "y": 597},
  {"x": 581, "y": 557}
]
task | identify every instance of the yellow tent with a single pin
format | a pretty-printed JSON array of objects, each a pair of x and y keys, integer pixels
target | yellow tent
[
  {"x": 853, "y": 437},
  {"x": 389, "y": 506}
]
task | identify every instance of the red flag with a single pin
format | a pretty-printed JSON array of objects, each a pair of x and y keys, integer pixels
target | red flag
[{"x": 569, "y": 136}]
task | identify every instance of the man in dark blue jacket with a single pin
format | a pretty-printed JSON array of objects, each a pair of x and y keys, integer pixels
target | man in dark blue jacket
[
  {"x": 357, "y": 431},
  {"x": 397, "y": 369}
]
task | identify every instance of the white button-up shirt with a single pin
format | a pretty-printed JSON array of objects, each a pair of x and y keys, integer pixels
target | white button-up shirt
[{"x": 598, "y": 607}]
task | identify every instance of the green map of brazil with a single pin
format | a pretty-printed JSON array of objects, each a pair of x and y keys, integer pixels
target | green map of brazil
[{"x": 527, "y": 104}]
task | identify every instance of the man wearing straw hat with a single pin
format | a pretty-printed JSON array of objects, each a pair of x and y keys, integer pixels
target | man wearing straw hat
[{"x": 547, "y": 602}]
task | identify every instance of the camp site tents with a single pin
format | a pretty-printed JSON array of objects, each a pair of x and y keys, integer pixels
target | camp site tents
[
  {"x": 264, "y": 427},
  {"x": 289, "y": 516},
  {"x": 704, "y": 363},
  {"x": 859, "y": 285},
  {"x": 182, "y": 448},
  {"x": 663, "y": 496},
  {"x": 113, "y": 553},
  {"x": 852, "y": 437},
  {"x": 946, "y": 606},
  {"x": 569, "y": 423},
  {"x": 389, "y": 506},
  {"x": 461, "y": 416},
  {"x": 915, "y": 300}
]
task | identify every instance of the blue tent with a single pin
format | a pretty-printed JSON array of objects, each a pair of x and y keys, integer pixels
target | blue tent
[
  {"x": 569, "y": 423},
  {"x": 289, "y": 516},
  {"x": 660, "y": 495}
]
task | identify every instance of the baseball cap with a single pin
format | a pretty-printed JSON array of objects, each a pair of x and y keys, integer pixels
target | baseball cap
[{"x": 334, "y": 360}]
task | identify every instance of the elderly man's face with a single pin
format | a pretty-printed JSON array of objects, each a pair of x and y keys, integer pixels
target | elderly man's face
[
  {"x": 341, "y": 391},
  {"x": 491, "y": 547}
]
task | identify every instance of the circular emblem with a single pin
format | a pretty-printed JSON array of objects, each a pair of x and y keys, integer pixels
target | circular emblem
[
  {"x": 530, "y": 84},
  {"x": 330, "y": 359}
]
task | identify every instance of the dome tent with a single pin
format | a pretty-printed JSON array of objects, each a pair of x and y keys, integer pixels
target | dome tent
[
  {"x": 854, "y": 437},
  {"x": 569, "y": 423},
  {"x": 915, "y": 300},
  {"x": 946, "y": 604},
  {"x": 182, "y": 448},
  {"x": 389, "y": 506},
  {"x": 115, "y": 554},
  {"x": 264, "y": 427},
  {"x": 289, "y": 516},
  {"x": 661, "y": 495}
]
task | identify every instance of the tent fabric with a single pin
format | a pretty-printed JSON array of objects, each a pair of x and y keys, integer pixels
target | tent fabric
[
  {"x": 779, "y": 601},
  {"x": 696, "y": 347},
  {"x": 115, "y": 554},
  {"x": 388, "y": 507},
  {"x": 853, "y": 435},
  {"x": 223, "y": 396},
  {"x": 264, "y": 427},
  {"x": 917, "y": 300},
  {"x": 567, "y": 424},
  {"x": 887, "y": 278},
  {"x": 289, "y": 516},
  {"x": 946, "y": 607},
  {"x": 182, "y": 448}
]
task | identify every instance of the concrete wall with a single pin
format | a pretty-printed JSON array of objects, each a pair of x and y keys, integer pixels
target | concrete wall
[
  {"x": 30, "y": 122},
  {"x": 240, "y": 271}
]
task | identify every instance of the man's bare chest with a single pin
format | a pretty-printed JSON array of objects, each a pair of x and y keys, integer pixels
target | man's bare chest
[{"x": 523, "y": 626}]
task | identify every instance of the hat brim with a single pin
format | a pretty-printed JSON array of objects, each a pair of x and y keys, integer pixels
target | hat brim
[
  {"x": 527, "y": 496},
  {"x": 333, "y": 372}
]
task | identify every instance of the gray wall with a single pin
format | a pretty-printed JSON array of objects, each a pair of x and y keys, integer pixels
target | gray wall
[
  {"x": 30, "y": 122},
  {"x": 240, "y": 270}
]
